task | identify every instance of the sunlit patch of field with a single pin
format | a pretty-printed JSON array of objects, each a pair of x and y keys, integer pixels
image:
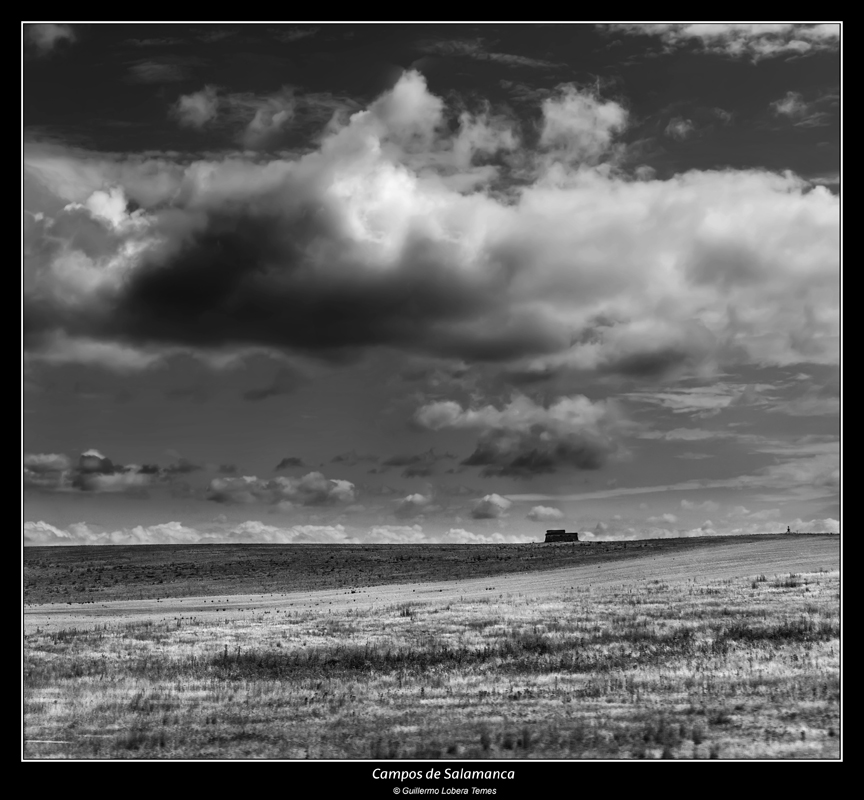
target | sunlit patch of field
[{"x": 687, "y": 668}]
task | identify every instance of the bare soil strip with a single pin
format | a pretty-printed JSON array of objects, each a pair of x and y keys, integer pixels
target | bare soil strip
[{"x": 772, "y": 556}]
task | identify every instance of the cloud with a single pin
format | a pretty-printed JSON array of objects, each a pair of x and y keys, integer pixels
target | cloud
[
  {"x": 797, "y": 476},
  {"x": 814, "y": 402},
  {"x": 544, "y": 514},
  {"x": 290, "y": 462},
  {"x": 46, "y": 37},
  {"x": 461, "y": 536},
  {"x": 93, "y": 472},
  {"x": 352, "y": 458},
  {"x": 492, "y": 506},
  {"x": 578, "y": 127},
  {"x": 413, "y": 505},
  {"x": 790, "y": 106},
  {"x": 702, "y": 402},
  {"x": 524, "y": 438},
  {"x": 251, "y": 532},
  {"x": 708, "y": 506},
  {"x": 758, "y": 524},
  {"x": 271, "y": 116},
  {"x": 408, "y": 228},
  {"x": 41, "y": 533},
  {"x": 312, "y": 489},
  {"x": 58, "y": 348},
  {"x": 285, "y": 381},
  {"x": 803, "y": 114},
  {"x": 96, "y": 473},
  {"x": 420, "y": 465},
  {"x": 183, "y": 466},
  {"x": 254, "y": 532},
  {"x": 197, "y": 109},
  {"x": 754, "y": 41},
  {"x": 478, "y": 49},
  {"x": 40, "y": 463},
  {"x": 679, "y": 128},
  {"x": 691, "y": 435},
  {"x": 167, "y": 69},
  {"x": 49, "y": 471}
]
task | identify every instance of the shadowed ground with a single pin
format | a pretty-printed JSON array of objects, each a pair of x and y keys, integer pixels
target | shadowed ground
[
  {"x": 716, "y": 558},
  {"x": 97, "y": 574}
]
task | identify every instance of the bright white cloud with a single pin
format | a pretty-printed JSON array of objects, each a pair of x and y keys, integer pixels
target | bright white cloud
[
  {"x": 578, "y": 127},
  {"x": 545, "y": 514},
  {"x": 252, "y": 531}
]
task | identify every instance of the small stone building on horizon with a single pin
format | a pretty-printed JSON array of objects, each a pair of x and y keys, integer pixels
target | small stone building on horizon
[{"x": 561, "y": 536}]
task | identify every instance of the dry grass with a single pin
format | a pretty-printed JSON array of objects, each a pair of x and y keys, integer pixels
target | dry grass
[{"x": 695, "y": 669}]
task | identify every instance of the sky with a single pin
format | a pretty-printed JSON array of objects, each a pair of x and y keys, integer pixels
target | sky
[{"x": 425, "y": 283}]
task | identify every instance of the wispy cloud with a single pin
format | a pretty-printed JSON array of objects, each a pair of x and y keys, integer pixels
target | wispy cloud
[
  {"x": 753, "y": 41},
  {"x": 803, "y": 114},
  {"x": 47, "y": 37},
  {"x": 481, "y": 50},
  {"x": 285, "y": 381},
  {"x": 166, "y": 69},
  {"x": 679, "y": 128}
]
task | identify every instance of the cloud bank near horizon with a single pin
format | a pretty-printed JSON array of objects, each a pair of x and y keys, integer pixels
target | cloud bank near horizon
[{"x": 254, "y": 532}]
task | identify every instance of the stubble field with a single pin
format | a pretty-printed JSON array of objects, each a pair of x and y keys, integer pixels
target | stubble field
[{"x": 729, "y": 650}]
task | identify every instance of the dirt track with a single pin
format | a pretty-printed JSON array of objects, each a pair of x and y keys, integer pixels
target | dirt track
[{"x": 775, "y": 556}]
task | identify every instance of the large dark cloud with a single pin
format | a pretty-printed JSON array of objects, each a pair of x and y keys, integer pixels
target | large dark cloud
[
  {"x": 526, "y": 453},
  {"x": 393, "y": 233}
]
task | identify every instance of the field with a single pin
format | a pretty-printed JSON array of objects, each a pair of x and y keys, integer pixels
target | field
[
  {"x": 99, "y": 574},
  {"x": 709, "y": 649}
]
